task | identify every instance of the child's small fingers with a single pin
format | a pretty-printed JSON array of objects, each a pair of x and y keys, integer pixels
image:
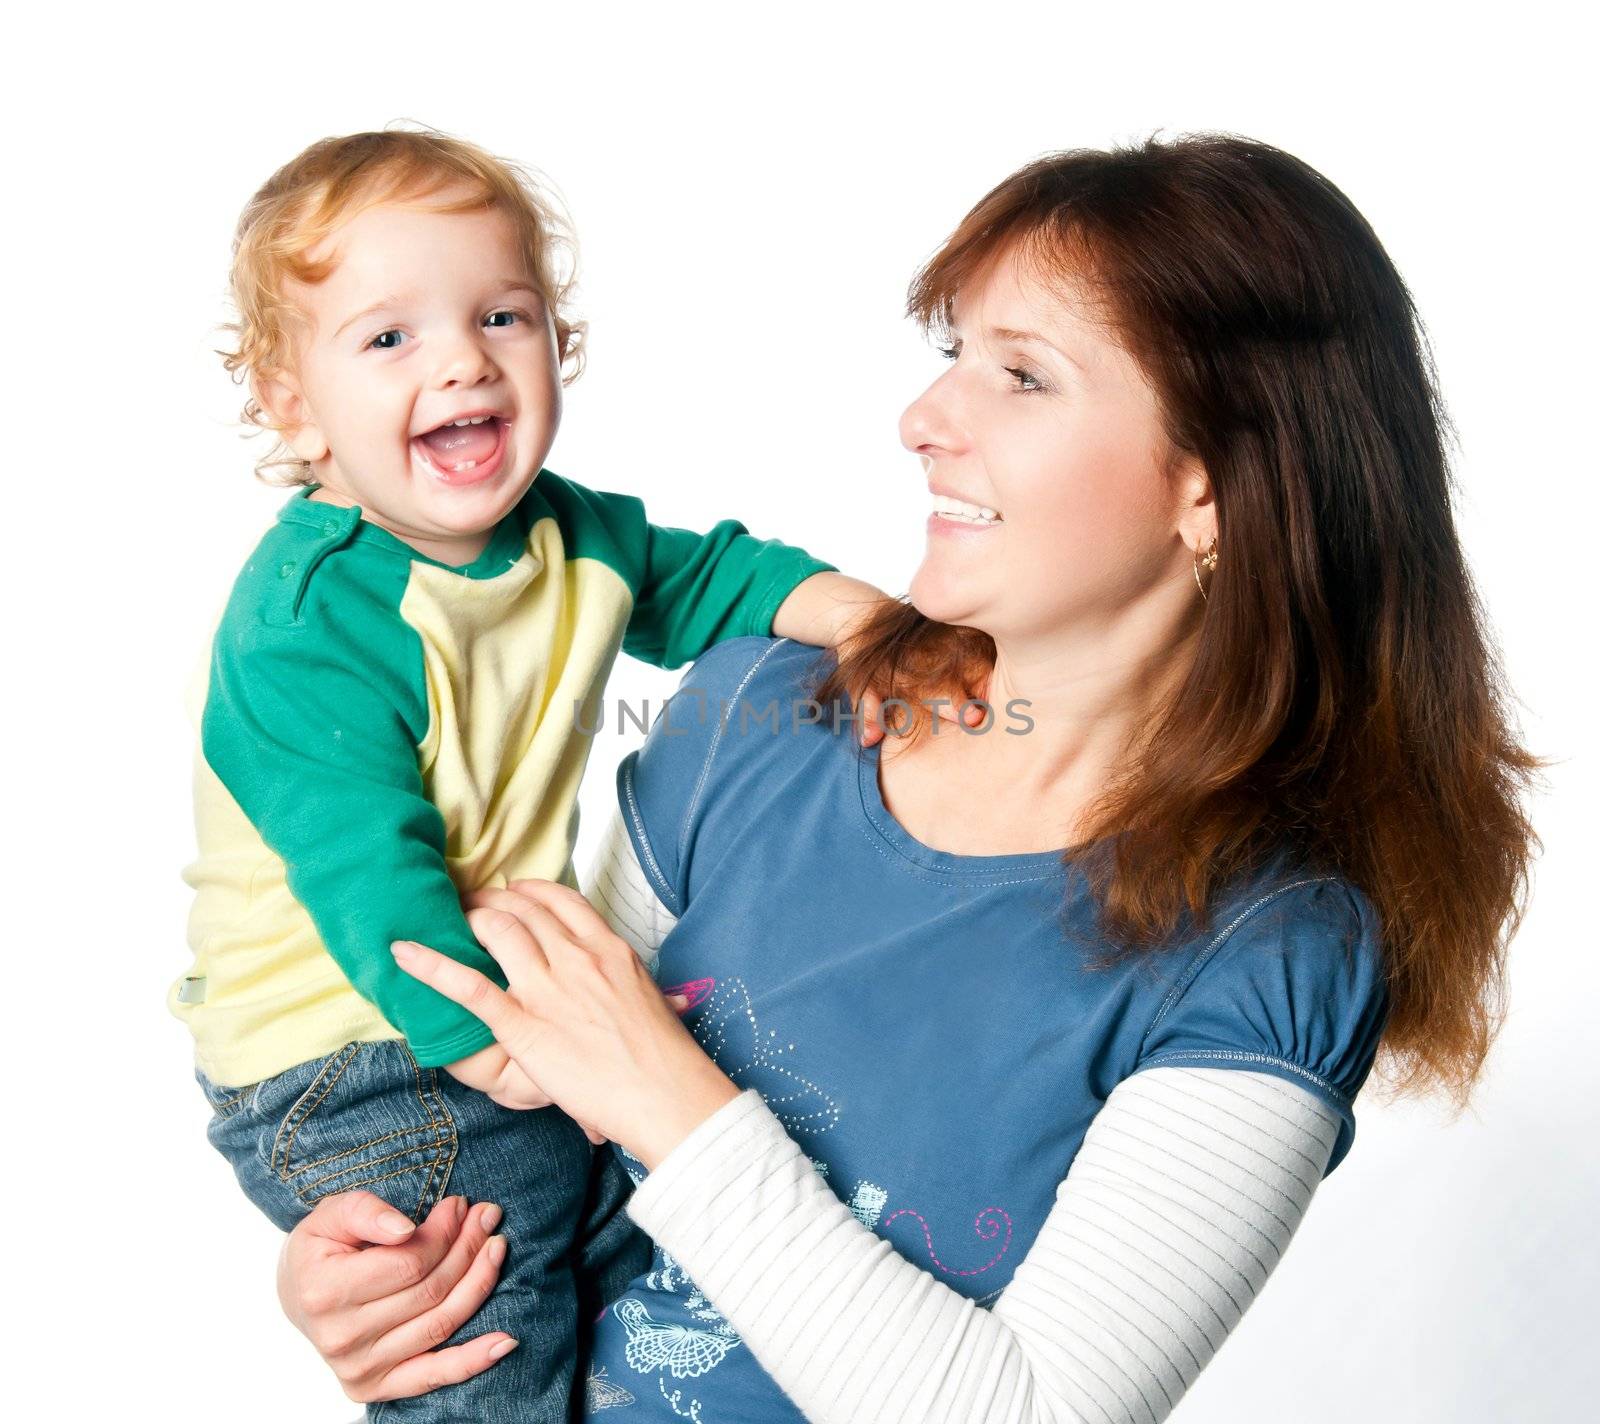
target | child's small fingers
[{"x": 871, "y": 718}]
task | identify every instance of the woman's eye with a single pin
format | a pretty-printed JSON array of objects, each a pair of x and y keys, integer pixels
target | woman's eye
[
  {"x": 1027, "y": 381},
  {"x": 379, "y": 344}
]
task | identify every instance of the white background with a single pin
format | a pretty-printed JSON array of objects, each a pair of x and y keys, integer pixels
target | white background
[{"x": 753, "y": 187}]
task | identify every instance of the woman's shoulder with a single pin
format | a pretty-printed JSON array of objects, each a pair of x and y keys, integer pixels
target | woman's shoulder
[
  {"x": 1290, "y": 979},
  {"x": 742, "y": 711},
  {"x": 754, "y": 666}
]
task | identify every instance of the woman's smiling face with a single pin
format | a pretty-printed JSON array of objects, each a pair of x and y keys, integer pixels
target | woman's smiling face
[{"x": 1046, "y": 420}]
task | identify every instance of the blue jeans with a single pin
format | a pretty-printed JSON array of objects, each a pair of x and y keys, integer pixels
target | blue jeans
[{"x": 369, "y": 1117}]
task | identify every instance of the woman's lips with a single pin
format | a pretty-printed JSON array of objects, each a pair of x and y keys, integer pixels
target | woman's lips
[{"x": 485, "y": 469}]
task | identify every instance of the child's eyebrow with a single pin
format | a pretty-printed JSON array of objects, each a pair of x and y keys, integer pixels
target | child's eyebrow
[
  {"x": 376, "y": 307},
  {"x": 512, "y": 284}
]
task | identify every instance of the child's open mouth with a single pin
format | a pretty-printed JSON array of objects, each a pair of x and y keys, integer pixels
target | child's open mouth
[{"x": 462, "y": 453}]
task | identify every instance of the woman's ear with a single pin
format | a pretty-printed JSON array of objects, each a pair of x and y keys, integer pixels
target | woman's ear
[
  {"x": 1197, "y": 508},
  {"x": 279, "y": 393}
]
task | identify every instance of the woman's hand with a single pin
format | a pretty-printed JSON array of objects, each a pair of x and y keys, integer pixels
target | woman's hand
[
  {"x": 582, "y": 1017},
  {"x": 375, "y": 1294}
]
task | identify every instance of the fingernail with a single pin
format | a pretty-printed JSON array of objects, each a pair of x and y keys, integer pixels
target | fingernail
[
  {"x": 400, "y": 949},
  {"x": 460, "y": 1210},
  {"x": 497, "y": 1250},
  {"x": 393, "y": 1222},
  {"x": 489, "y": 1217},
  {"x": 504, "y": 1348}
]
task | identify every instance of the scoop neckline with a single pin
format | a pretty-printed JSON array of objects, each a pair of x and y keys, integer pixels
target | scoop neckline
[{"x": 881, "y": 823}]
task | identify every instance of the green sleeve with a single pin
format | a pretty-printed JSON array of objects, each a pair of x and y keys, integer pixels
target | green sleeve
[
  {"x": 313, "y": 727},
  {"x": 702, "y": 589}
]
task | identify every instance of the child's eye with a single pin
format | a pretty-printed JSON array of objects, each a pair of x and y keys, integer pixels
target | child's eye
[
  {"x": 492, "y": 315},
  {"x": 379, "y": 344}
]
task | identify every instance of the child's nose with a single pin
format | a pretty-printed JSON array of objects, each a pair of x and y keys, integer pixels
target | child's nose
[{"x": 465, "y": 362}]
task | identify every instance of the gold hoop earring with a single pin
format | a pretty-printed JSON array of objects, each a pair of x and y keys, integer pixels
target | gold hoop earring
[{"x": 1210, "y": 561}]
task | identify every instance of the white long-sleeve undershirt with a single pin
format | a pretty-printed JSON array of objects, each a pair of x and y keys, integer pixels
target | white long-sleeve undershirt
[{"x": 1186, "y": 1190}]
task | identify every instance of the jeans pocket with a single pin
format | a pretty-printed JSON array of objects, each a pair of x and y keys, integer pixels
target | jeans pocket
[{"x": 370, "y": 1118}]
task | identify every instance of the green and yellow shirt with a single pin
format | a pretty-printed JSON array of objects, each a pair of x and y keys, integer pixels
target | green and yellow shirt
[{"x": 381, "y": 732}]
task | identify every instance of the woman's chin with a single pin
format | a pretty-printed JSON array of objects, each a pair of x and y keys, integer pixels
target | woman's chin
[{"x": 940, "y": 599}]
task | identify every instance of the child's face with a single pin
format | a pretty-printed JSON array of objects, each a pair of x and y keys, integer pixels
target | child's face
[{"x": 427, "y": 318}]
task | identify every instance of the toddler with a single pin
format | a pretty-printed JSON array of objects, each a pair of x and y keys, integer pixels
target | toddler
[{"x": 393, "y": 711}]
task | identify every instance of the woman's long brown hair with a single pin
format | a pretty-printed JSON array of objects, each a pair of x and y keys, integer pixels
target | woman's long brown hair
[{"x": 1345, "y": 698}]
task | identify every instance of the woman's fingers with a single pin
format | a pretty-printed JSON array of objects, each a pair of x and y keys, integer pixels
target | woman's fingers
[
  {"x": 425, "y": 1282},
  {"x": 507, "y": 938},
  {"x": 357, "y": 1219},
  {"x": 479, "y": 996},
  {"x": 425, "y": 1373},
  {"x": 403, "y": 1361},
  {"x": 329, "y": 1245},
  {"x": 541, "y": 902}
]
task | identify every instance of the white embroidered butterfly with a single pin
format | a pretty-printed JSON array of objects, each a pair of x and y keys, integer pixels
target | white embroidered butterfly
[
  {"x": 676, "y": 1348},
  {"x": 727, "y": 1029},
  {"x": 600, "y": 1393}
]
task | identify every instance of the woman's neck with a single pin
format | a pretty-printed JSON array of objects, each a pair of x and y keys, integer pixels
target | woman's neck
[{"x": 1004, "y": 792}]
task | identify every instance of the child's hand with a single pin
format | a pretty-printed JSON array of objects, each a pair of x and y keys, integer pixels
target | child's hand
[
  {"x": 828, "y": 610},
  {"x": 953, "y": 710},
  {"x": 491, "y": 1070},
  {"x": 959, "y": 705},
  {"x": 497, "y": 1074}
]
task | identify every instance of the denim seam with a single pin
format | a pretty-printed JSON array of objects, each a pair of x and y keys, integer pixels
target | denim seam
[
  {"x": 309, "y": 1194},
  {"x": 446, "y": 1146},
  {"x": 350, "y": 1167},
  {"x": 230, "y": 1106},
  {"x": 283, "y": 1144},
  {"x": 444, "y": 1119}
]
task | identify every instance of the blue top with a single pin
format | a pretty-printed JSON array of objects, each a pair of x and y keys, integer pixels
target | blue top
[{"x": 920, "y": 1021}]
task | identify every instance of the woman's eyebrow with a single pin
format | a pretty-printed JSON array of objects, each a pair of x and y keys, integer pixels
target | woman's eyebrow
[{"x": 1008, "y": 333}]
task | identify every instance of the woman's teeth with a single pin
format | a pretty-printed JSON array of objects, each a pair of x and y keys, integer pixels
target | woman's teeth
[{"x": 967, "y": 513}]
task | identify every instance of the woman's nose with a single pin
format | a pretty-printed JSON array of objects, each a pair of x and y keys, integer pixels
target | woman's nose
[{"x": 929, "y": 425}]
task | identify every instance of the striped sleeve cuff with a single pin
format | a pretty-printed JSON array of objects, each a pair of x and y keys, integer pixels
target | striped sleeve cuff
[{"x": 710, "y": 1163}]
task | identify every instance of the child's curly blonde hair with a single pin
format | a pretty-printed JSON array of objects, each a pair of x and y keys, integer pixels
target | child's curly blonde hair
[{"x": 331, "y": 182}]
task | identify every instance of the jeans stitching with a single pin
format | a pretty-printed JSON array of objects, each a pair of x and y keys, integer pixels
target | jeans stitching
[
  {"x": 283, "y": 1145},
  {"x": 229, "y": 1106},
  {"x": 439, "y": 1123},
  {"x": 444, "y": 1145}
]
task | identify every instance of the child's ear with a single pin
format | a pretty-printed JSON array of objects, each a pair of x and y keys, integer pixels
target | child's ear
[{"x": 279, "y": 394}]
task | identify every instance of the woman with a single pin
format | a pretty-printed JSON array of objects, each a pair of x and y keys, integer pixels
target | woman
[{"x": 1196, "y": 526}]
